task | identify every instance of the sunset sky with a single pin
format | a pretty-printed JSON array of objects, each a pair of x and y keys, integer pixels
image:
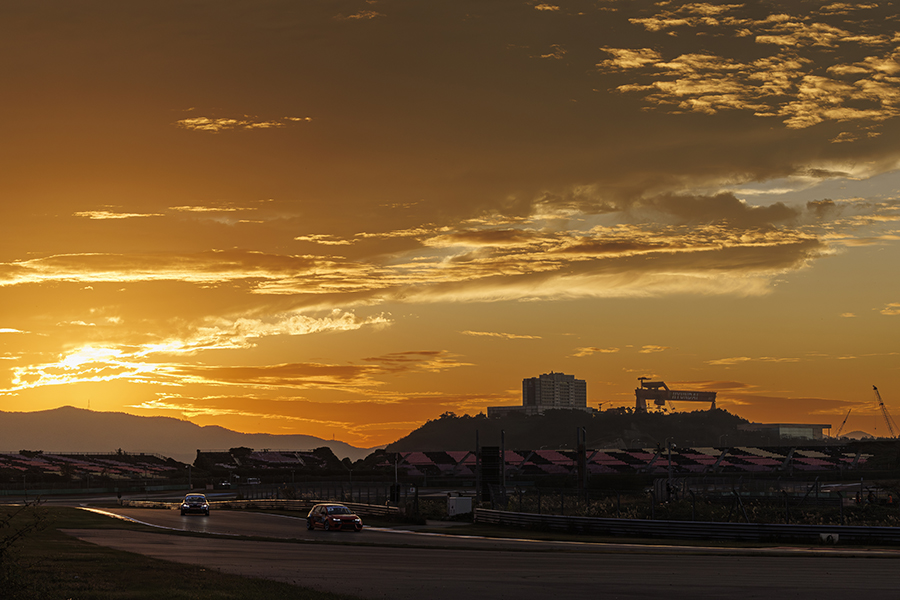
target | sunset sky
[{"x": 343, "y": 218}]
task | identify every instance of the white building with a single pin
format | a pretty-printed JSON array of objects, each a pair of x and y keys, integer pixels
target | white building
[{"x": 548, "y": 392}]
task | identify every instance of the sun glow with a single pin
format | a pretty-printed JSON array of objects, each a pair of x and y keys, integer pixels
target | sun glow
[{"x": 705, "y": 190}]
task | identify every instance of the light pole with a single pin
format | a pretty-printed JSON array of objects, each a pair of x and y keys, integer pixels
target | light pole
[
  {"x": 669, "y": 452},
  {"x": 349, "y": 470}
]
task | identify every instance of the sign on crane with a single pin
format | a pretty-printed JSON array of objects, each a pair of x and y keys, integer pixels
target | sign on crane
[{"x": 892, "y": 426}]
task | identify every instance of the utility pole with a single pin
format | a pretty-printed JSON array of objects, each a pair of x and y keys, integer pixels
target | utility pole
[
  {"x": 477, "y": 468},
  {"x": 581, "y": 457},
  {"x": 503, "y": 463},
  {"x": 669, "y": 451}
]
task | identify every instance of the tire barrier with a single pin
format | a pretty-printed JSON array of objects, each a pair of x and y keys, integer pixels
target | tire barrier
[
  {"x": 694, "y": 530},
  {"x": 301, "y": 506}
]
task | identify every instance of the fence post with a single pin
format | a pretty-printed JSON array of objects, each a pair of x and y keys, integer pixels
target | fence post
[
  {"x": 741, "y": 505},
  {"x": 652, "y": 505},
  {"x": 539, "y": 500}
]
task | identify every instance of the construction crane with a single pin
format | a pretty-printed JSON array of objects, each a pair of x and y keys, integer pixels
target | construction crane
[
  {"x": 892, "y": 426},
  {"x": 841, "y": 428}
]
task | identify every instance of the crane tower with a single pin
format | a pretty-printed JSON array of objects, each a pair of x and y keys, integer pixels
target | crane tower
[{"x": 892, "y": 426}]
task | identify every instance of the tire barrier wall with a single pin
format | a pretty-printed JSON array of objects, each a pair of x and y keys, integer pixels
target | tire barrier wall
[
  {"x": 301, "y": 506},
  {"x": 694, "y": 530}
]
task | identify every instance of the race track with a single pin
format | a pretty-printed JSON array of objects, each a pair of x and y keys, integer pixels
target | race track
[{"x": 403, "y": 565}]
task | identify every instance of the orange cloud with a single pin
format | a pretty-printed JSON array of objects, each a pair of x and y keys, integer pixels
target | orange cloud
[
  {"x": 220, "y": 124},
  {"x": 580, "y": 352},
  {"x": 506, "y": 336}
]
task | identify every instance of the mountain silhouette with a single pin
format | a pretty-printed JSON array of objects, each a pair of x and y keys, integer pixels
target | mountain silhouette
[{"x": 69, "y": 429}]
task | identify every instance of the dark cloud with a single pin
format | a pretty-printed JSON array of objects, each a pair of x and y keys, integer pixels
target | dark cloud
[
  {"x": 714, "y": 386},
  {"x": 411, "y": 357},
  {"x": 298, "y": 375},
  {"x": 821, "y": 208},
  {"x": 799, "y": 409},
  {"x": 490, "y": 237},
  {"x": 721, "y": 208},
  {"x": 601, "y": 247},
  {"x": 316, "y": 375},
  {"x": 428, "y": 360}
]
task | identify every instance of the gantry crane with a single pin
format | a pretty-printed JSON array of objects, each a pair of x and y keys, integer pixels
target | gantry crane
[
  {"x": 892, "y": 426},
  {"x": 660, "y": 394}
]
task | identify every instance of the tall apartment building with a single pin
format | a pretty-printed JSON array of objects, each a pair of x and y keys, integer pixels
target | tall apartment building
[
  {"x": 548, "y": 392},
  {"x": 554, "y": 390}
]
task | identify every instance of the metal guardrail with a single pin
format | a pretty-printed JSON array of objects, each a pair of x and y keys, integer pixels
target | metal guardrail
[
  {"x": 304, "y": 506},
  {"x": 694, "y": 530},
  {"x": 301, "y": 506}
]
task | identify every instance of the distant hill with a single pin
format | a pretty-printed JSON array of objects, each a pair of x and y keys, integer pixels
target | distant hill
[
  {"x": 556, "y": 429},
  {"x": 69, "y": 429}
]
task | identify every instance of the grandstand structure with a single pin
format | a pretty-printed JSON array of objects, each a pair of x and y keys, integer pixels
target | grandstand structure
[
  {"x": 54, "y": 470},
  {"x": 116, "y": 466},
  {"x": 683, "y": 461},
  {"x": 252, "y": 460}
]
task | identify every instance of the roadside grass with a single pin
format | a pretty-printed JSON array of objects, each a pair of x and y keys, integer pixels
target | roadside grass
[{"x": 51, "y": 564}]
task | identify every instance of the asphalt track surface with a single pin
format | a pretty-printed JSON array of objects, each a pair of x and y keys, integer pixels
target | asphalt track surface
[{"x": 404, "y": 565}]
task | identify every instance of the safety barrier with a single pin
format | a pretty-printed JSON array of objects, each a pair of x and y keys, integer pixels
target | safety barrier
[
  {"x": 694, "y": 530},
  {"x": 301, "y": 506}
]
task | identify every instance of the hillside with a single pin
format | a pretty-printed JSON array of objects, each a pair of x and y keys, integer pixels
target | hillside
[
  {"x": 69, "y": 429},
  {"x": 557, "y": 429}
]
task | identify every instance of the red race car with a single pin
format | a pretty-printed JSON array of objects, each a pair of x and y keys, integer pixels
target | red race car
[{"x": 333, "y": 517}]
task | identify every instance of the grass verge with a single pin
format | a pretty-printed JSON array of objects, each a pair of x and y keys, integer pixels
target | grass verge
[{"x": 50, "y": 564}]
